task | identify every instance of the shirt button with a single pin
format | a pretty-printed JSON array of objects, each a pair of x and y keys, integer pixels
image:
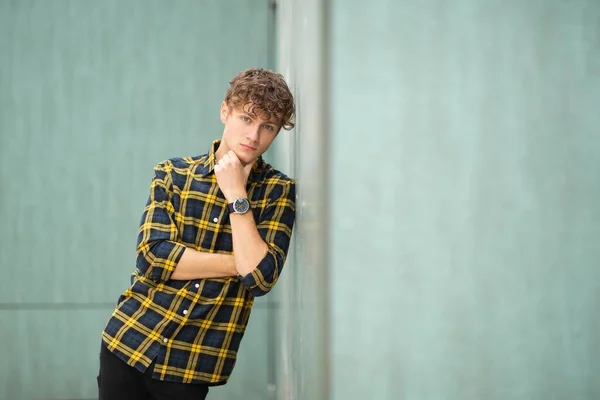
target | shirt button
[
  {"x": 216, "y": 220},
  {"x": 197, "y": 285},
  {"x": 165, "y": 340},
  {"x": 184, "y": 312}
]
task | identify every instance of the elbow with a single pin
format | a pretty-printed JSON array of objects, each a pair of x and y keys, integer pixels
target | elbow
[
  {"x": 147, "y": 267},
  {"x": 144, "y": 258},
  {"x": 257, "y": 292},
  {"x": 262, "y": 279},
  {"x": 157, "y": 259},
  {"x": 262, "y": 289}
]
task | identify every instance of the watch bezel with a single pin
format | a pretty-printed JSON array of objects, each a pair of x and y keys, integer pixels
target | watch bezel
[{"x": 240, "y": 205}]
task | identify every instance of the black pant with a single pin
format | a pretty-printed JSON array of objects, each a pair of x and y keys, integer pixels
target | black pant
[{"x": 117, "y": 381}]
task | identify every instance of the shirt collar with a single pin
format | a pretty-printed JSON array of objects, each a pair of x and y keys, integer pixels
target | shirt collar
[{"x": 209, "y": 164}]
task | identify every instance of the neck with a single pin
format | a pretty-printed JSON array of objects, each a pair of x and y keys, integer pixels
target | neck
[{"x": 221, "y": 151}]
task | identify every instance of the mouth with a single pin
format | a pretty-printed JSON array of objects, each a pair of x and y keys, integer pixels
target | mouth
[{"x": 248, "y": 147}]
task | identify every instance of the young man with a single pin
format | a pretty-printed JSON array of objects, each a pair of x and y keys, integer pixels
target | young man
[{"x": 214, "y": 234}]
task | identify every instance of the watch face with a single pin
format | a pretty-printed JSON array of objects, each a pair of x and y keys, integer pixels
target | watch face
[{"x": 241, "y": 205}]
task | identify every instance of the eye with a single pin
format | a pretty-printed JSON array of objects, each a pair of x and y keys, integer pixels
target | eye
[
  {"x": 245, "y": 119},
  {"x": 269, "y": 127}
]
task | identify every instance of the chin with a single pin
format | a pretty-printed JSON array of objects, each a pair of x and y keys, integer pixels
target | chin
[{"x": 246, "y": 160}]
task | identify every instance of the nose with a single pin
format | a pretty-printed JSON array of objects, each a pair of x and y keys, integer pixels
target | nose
[{"x": 253, "y": 134}]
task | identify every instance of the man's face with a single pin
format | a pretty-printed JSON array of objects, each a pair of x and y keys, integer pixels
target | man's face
[{"x": 247, "y": 134}]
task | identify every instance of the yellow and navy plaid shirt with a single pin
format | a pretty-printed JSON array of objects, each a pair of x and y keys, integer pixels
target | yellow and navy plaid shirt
[{"x": 192, "y": 329}]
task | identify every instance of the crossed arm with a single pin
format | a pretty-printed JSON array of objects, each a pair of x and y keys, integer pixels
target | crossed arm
[
  {"x": 195, "y": 264},
  {"x": 250, "y": 250},
  {"x": 259, "y": 249}
]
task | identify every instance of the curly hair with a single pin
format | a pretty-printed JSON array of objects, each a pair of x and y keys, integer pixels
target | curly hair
[{"x": 265, "y": 92}]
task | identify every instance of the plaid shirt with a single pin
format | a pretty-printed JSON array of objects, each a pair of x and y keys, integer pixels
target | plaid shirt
[{"x": 193, "y": 329}]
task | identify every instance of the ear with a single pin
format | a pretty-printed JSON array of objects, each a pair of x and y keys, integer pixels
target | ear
[{"x": 224, "y": 112}]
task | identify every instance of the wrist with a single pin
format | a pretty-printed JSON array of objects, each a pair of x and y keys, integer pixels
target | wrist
[{"x": 231, "y": 265}]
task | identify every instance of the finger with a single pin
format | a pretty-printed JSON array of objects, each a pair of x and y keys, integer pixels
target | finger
[
  {"x": 225, "y": 158},
  {"x": 232, "y": 156},
  {"x": 217, "y": 168}
]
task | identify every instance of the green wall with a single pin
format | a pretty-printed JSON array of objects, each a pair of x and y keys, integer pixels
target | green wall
[
  {"x": 303, "y": 364},
  {"x": 92, "y": 95},
  {"x": 448, "y": 164},
  {"x": 447, "y": 157},
  {"x": 465, "y": 199}
]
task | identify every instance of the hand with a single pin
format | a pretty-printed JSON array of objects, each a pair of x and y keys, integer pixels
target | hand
[{"x": 232, "y": 176}]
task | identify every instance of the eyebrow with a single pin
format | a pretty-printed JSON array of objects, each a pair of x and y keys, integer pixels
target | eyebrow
[{"x": 254, "y": 116}]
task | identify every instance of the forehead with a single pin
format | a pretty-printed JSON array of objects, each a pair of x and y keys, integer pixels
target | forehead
[{"x": 257, "y": 112}]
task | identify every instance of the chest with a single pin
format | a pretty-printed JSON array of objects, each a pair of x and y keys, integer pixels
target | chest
[{"x": 201, "y": 213}]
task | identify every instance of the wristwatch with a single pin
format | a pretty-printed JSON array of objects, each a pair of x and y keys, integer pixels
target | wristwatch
[{"x": 239, "y": 206}]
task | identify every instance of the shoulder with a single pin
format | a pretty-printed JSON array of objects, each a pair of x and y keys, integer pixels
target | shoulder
[
  {"x": 278, "y": 184},
  {"x": 182, "y": 166},
  {"x": 273, "y": 176},
  {"x": 182, "y": 162}
]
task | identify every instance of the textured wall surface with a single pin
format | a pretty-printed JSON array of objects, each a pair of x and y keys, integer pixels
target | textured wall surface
[
  {"x": 465, "y": 199},
  {"x": 92, "y": 96},
  {"x": 448, "y": 170},
  {"x": 303, "y": 369}
]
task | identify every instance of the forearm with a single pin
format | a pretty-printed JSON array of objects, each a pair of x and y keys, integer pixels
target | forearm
[
  {"x": 198, "y": 265},
  {"x": 259, "y": 250},
  {"x": 248, "y": 247}
]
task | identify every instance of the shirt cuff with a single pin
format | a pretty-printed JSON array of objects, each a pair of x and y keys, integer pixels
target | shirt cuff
[{"x": 262, "y": 278}]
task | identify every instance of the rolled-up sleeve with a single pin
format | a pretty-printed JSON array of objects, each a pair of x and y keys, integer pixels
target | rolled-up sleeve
[
  {"x": 158, "y": 251},
  {"x": 275, "y": 228}
]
